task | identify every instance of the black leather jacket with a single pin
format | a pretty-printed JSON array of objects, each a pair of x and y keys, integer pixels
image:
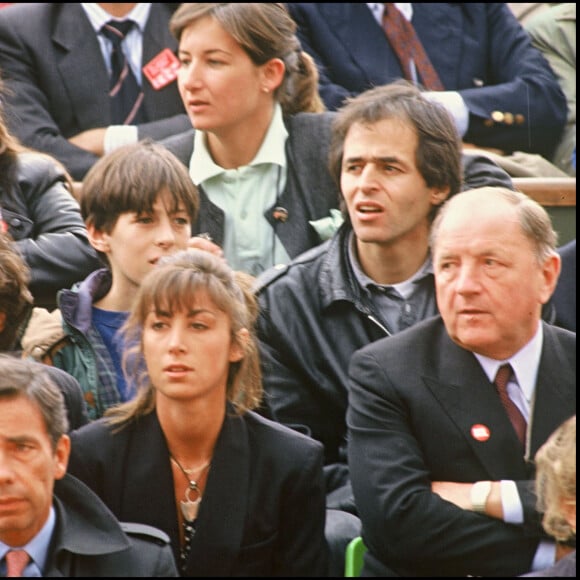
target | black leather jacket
[
  {"x": 45, "y": 221},
  {"x": 306, "y": 339},
  {"x": 313, "y": 316}
]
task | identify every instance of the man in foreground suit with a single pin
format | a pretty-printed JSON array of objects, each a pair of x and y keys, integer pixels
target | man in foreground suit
[
  {"x": 63, "y": 527},
  {"x": 442, "y": 483}
]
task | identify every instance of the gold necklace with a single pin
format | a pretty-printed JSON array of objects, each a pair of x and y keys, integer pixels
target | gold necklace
[{"x": 190, "y": 507}]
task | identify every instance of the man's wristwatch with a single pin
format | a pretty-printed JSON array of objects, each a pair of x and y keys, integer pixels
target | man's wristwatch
[{"x": 479, "y": 494}]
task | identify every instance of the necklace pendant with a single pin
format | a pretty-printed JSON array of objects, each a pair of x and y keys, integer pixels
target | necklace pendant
[{"x": 190, "y": 508}]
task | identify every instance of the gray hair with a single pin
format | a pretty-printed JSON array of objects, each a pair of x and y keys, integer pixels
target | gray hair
[
  {"x": 534, "y": 220},
  {"x": 29, "y": 379}
]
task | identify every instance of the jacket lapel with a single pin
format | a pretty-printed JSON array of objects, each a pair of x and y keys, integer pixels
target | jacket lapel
[
  {"x": 471, "y": 402},
  {"x": 79, "y": 57},
  {"x": 156, "y": 37},
  {"x": 370, "y": 51},
  {"x": 222, "y": 512},
  {"x": 147, "y": 468},
  {"x": 555, "y": 398}
]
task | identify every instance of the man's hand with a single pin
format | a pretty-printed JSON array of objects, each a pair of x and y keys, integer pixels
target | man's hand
[
  {"x": 460, "y": 495},
  {"x": 92, "y": 140},
  {"x": 457, "y": 493}
]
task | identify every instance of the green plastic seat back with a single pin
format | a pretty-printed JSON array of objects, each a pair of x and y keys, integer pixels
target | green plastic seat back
[{"x": 355, "y": 552}]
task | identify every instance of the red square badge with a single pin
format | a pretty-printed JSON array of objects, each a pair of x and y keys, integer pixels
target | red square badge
[{"x": 162, "y": 69}]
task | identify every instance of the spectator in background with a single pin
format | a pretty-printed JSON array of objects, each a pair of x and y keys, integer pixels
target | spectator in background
[
  {"x": 15, "y": 308},
  {"x": 138, "y": 203},
  {"x": 258, "y": 154},
  {"x": 56, "y": 64},
  {"x": 556, "y": 492},
  {"x": 64, "y": 529},
  {"x": 499, "y": 88},
  {"x": 397, "y": 157},
  {"x": 441, "y": 470},
  {"x": 553, "y": 33},
  {"x": 39, "y": 212},
  {"x": 239, "y": 495}
]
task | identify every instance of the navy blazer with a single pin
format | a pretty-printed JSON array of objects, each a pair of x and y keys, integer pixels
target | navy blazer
[
  {"x": 57, "y": 80},
  {"x": 263, "y": 509},
  {"x": 478, "y": 49},
  {"x": 415, "y": 399}
]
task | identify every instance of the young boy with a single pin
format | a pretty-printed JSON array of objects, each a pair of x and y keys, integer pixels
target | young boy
[{"x": 138, "y": 204}]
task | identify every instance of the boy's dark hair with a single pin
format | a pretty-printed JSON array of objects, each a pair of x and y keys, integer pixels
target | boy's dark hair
[{"x": 130, "y": 179}]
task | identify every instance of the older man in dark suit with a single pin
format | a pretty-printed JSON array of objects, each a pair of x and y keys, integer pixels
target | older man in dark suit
[{"x": 440, "y": 462}]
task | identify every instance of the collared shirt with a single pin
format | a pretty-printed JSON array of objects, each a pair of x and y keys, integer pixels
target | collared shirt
[
  {"x": 37, "y": 548},
  {"x": 133, "y": 42},
  {"x": 400, "y": 305},
  {"x": 521, "y": 390},
  {"x": 119, "y": 135},
  {"x": 451, "y": 100},
  {"x": 244, "y": 194},
  {"x": 378, "y": 9},
  {"x": 525, "y": 364}
]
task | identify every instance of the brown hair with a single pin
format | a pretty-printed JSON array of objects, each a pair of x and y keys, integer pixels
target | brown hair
[
  {"x": 15, "y": 297},
  {"x": 438, "y": 154},
  {"x": 27, "y": 378},
  {"x": 533, "y": 218},
  {"x": 130, "y": 180},
  {"x": 171, "y": 287},
  {"x": 265, "y": 30}
]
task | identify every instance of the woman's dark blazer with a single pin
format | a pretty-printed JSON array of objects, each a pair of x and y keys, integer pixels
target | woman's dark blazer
[
  {"x": 310, "y": 192},
  {"x": 263, "y": 509}
]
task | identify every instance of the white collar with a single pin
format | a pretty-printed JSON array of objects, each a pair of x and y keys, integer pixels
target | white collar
[
  {"x": 97, "y": 16},
  {"x": 525, "y": 364},
  {"x": 273, "y": 150}
]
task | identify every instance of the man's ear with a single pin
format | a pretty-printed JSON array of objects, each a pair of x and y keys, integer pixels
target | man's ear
[
  {"x": 61, "y": 456},
  {"x": 551, "y": 269},
  {"x": 2, "y": 321},
  {"x": 439, "y": 195}
]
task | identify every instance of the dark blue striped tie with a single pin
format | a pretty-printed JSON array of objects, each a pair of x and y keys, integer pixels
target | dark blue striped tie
[{"x": 126, "y": 94}]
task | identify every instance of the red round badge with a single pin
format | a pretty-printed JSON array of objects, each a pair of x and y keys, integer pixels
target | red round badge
[{"x": 480, "y": 432}]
